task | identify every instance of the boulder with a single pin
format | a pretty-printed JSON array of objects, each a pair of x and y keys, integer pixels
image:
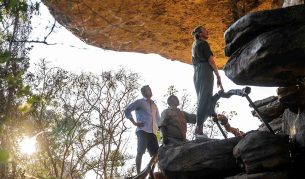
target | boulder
[
  {"x": 270, "y": 111},
  {"x": 292, "y": 97},
  {"x": 292, "y": 2},
  {"x": 193, "y": 159},
  {"x": 253, "y": 24},
  {"x": 265, "y": 101},
  {"x": 276, "y": 125},
  {"x": 273, "y": 58},
  {"x": 262, "y": 151},
  {"x": 294, "y": 125}
]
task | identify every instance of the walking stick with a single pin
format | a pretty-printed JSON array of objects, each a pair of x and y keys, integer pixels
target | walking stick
[{"x": 239, "y": 92}]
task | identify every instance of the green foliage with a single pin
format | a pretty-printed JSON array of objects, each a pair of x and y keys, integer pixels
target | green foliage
[
  {"x": 117, "y": 158},
  {"x": 15, "y": 27},
  {"x": 23, "y": 90},
  {"x": 171, "y": 90},
  {"x": 77, "y": 116},
  {"x": 4, "y": 56},
  {"x": 4, "y": 156},
  {"x": 159, "y": 136},
  {"x": 34, "y": 99},
  {"x": 16, "y": 8}
]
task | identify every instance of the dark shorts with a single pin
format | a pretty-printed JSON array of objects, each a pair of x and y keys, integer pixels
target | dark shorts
[{"x": 147, "y": 141}]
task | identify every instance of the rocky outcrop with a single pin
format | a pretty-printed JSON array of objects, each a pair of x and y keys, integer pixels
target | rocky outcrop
[
  {"x": 294, "y": 125},
  {"x": 261, "y": 151},
  {"x": 145, "y": 26},
  {"x": 254, "y": 24},
  {"x": 257, "y": 154},
  {"x": 258, "y": 50},
  {"x": 292, "y": 2},
  {"x": 290, "y": 116},
  {"x": 293, "y": 97},
  {"x": 271, "y": 110},
  {"x": 252, "y": 47},
  {"x": 275, "y": 124},
  {"x": 199, "y": 159}
]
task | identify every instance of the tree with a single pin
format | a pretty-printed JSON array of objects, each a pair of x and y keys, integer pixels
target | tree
[
  {"x": 14, "y": 31},
  {"x": 81, "y": 122}
]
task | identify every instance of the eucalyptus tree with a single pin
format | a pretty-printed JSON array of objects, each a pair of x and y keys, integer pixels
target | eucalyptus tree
[
  {"x": 15, "y": 27},
  {"x": 80, "y": 122}
]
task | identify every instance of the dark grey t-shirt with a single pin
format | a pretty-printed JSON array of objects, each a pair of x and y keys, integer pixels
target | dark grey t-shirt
[{"x": 201, "y": 52}]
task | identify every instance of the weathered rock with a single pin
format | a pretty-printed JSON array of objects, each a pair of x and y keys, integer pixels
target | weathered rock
[
  {"x": 268, "y": 60},
  {"x": 266, "y": 175},
  {"x": 262, "y": 151},
  {"x": 145, "y": 26},
  {"x": 252, "y": 25},
  {"x": 193, "y": 159},
  {"x": 276, "y": 125},
  {"x": 265, "y": 101},
  {"x": 292, "y": 2},
  {"x": 292, "y": 97},
  {"x": 270, "y": 111},
  {"x": 294, "y": 125}
]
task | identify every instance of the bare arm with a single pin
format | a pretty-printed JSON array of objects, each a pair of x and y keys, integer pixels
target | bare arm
[{"x": 215, "y": 69}]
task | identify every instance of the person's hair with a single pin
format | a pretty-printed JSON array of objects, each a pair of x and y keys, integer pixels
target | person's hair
[
  {"x": 196, "y": 31},
  {"x": 144, "y": 88},
  {"x": 170, "y": 101}
]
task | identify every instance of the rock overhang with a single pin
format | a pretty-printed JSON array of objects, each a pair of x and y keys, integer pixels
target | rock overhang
[{"x": 144, "y": 26}]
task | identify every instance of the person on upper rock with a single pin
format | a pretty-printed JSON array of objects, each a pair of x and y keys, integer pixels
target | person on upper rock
[{"x": 204, "y": 66}]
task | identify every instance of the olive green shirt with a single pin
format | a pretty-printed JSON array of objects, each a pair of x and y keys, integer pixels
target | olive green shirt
[
  {"x": 173, "y": 121},
  {"x": 201, "y": 52}
]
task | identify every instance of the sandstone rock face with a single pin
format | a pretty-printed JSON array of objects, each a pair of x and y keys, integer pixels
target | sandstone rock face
[
  {"x": 276, "y": 125},
  {"x": 267, "y": 48},
  {"x": 292, "y": 97},
  {"x": 270, "y": 111},
  {"x": 195, "y": 159},
  {"x": 145, "y": 26},
  {"x": 292, "y": 2},
  {"x": 254, "y": 24},
  {"x": 263, "y": 102},
  {"x": 294, "y": 125},
  {"x": 262, "y": 151}
]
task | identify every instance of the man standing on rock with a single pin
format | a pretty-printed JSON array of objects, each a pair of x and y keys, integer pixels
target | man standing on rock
[
  {"x": 204, "y": 66},
  {"x": 148, "y": 117}
]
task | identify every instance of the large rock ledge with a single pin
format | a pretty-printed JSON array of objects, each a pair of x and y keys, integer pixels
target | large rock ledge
[
  {"x": 269, "y": 52},
  {"x": 256, "y": 153},
  {"x": 251, "y": 25},
  {"x": 145, "y": 26},
  {"x": 195, "y": 159}
]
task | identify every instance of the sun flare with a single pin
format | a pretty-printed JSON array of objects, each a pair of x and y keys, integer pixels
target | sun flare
[{"x": 28, "y": 145}]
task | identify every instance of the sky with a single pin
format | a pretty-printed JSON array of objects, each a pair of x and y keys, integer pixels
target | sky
[{"x": 159, "y": 73}]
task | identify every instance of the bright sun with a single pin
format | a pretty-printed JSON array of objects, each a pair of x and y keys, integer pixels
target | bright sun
[{"x": 28, "y": 145}]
